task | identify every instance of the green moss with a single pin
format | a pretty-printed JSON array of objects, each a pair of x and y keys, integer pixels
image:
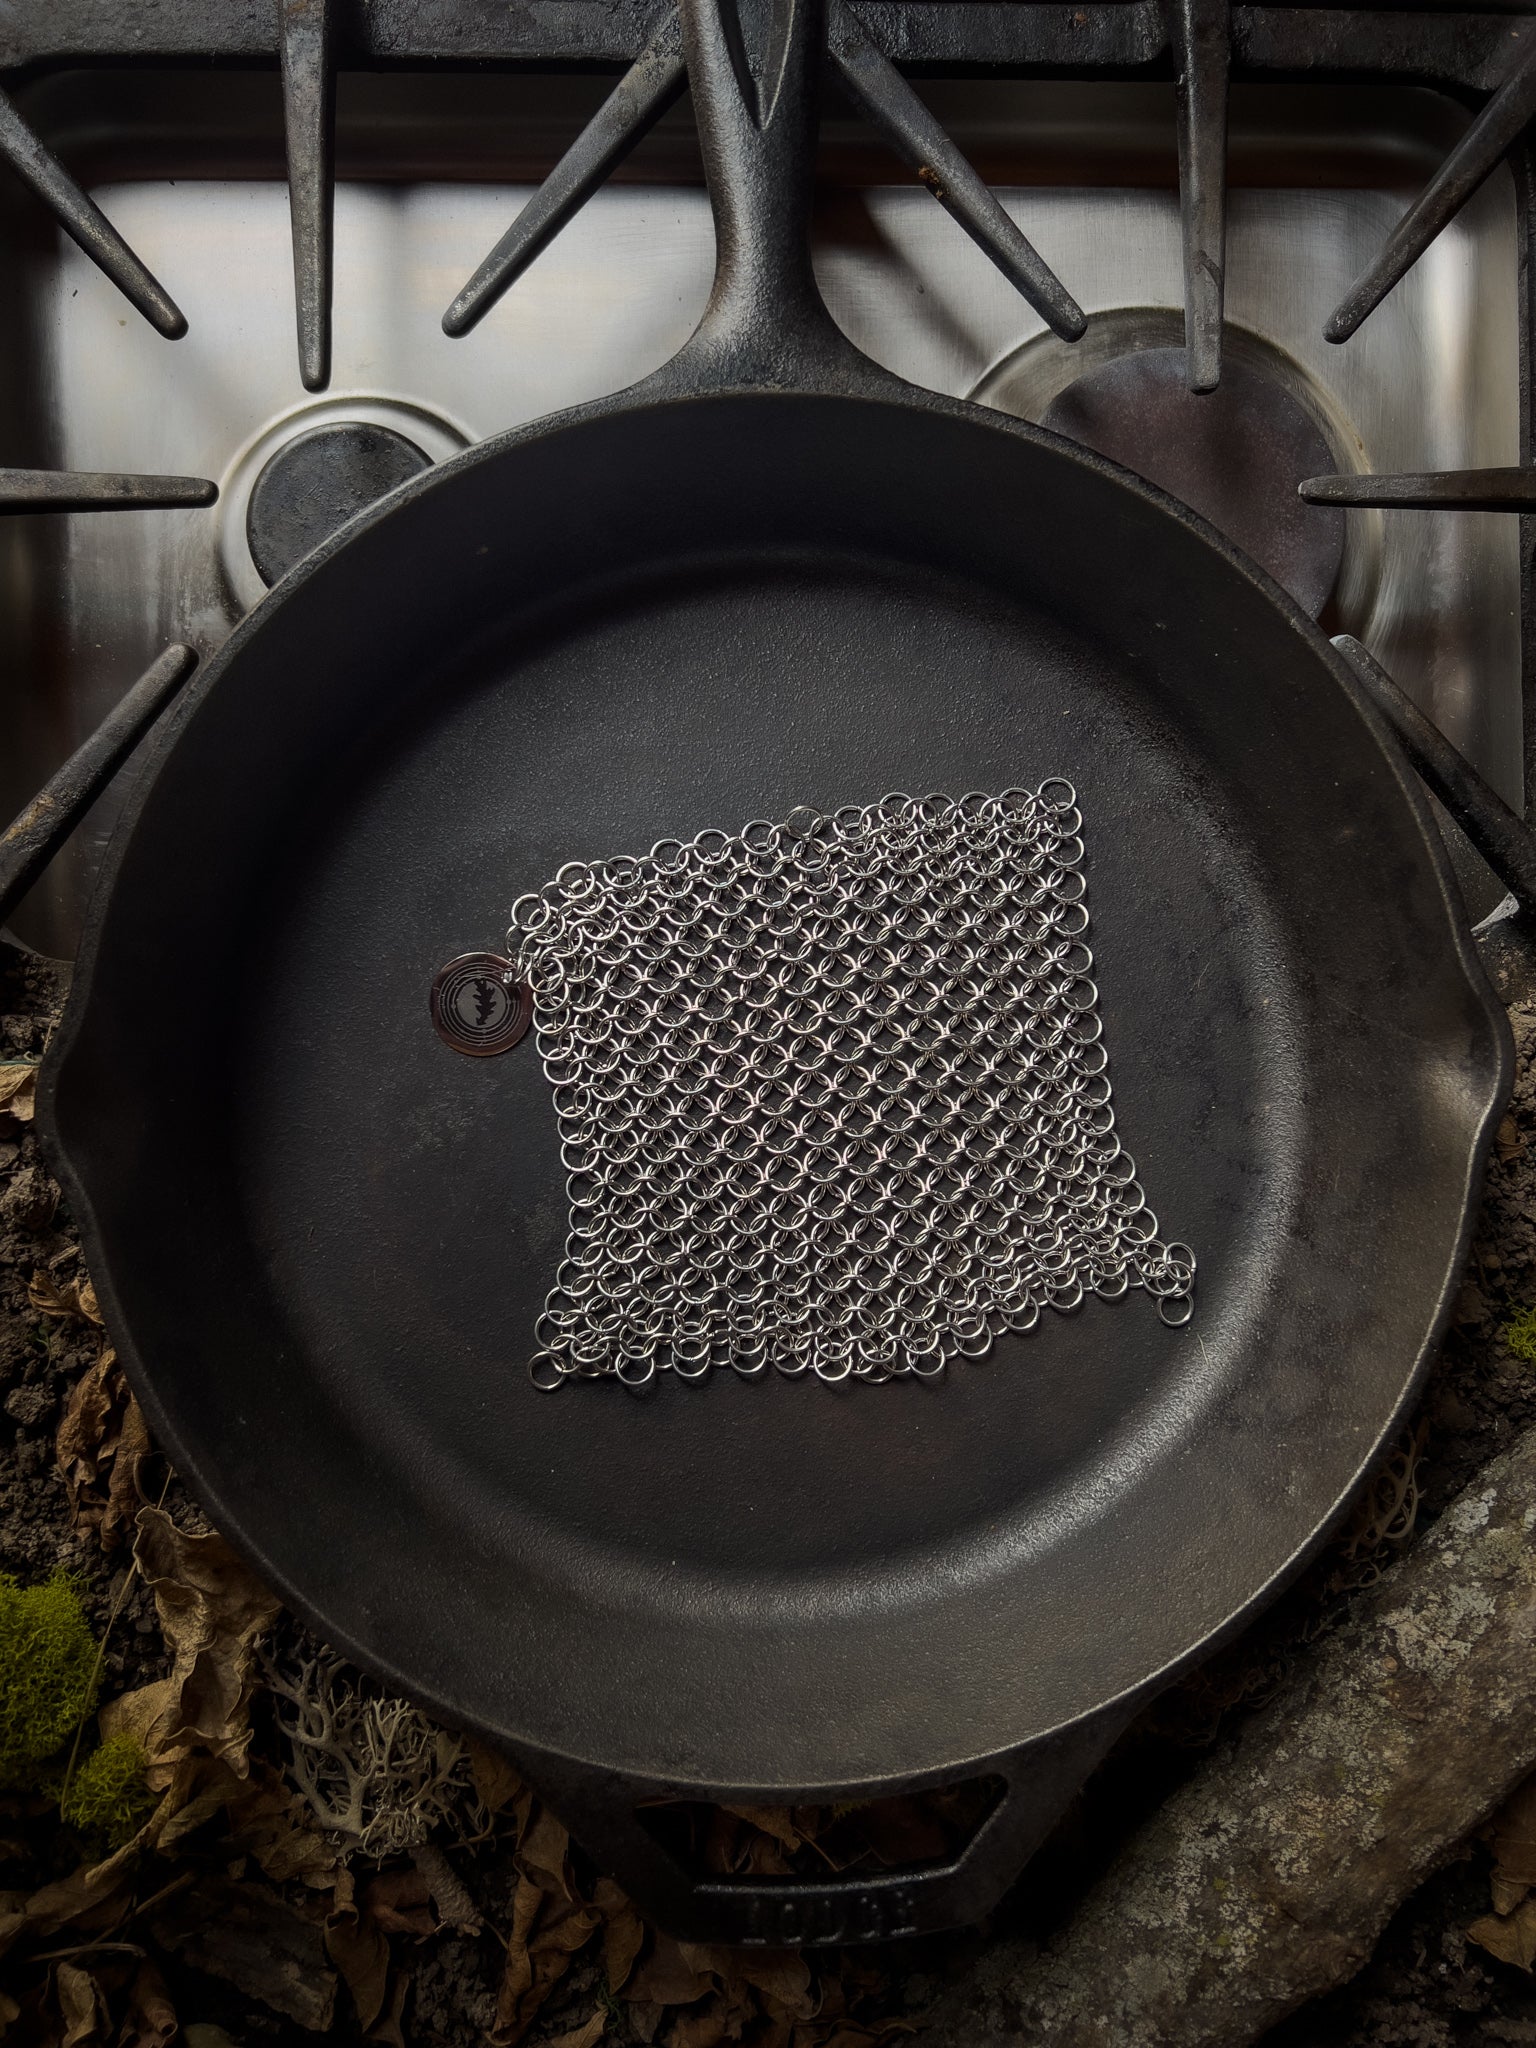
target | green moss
[
  {"x": 1519, "y": 1335},
  {"x": 108, "y": 1799},
  {"x": 48, "y": 1673}
]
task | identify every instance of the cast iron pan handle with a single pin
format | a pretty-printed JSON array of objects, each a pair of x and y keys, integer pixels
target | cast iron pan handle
[
  {"x": 1037, "y": 1784},
  {"x": 754, "y": 67}
]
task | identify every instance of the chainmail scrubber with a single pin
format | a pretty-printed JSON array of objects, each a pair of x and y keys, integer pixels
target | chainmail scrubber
[{"x": 832, "y": 1094}]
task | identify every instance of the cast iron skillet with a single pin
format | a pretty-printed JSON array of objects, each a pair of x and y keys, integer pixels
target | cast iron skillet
[{"x": 769, "y": 576}]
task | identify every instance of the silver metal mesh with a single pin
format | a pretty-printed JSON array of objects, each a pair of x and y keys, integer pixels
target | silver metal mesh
[{"x": 832, "y": 1094}]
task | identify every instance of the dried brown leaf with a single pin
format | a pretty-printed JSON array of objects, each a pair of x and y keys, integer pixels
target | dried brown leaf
[
  {"x": 546, "y": 1933},
  {"x": 1511, "y": 1938},
  {"x": 387, "y": 2029},
  {"x": 123, "y": 1497},
  {"x": 97, "y": 1896},
  {"x": 777, "y": 1821},
  {"x": 359, "y": 1950},
  {"x": 497, "y": 1784},
  {"x": 706, "y": 2028},
  {"x": 1512, "y": 1833},
  {"x": 851, "y": 2036},
  {"x": 212, "y": 1609},
  {"x": 550, "y": 1922},
  {"x": 543, "y": 1852},
  {"x": 782, "y": 1977},
  {"x": 273, "y": 1825},
  {"x": 138, "y": 1714},
  {"x": 18, "y": 1089},
  {"x": 88, "y": 1414},
  {"x": 82, "y": 2008},
  {"x": 623, "y": 1932},
  {"x": 94, "y": 1896},
  {"x": 150, "y": 2021},
  {"x": 752, "y": 1986},
  {"x": 101, "y": 1438},
  {"x": 87, "y": 1424},
  {"x": 668, "y": 1976},
  {"x": 200, "y": 1787},
  {"x": 74, "y": 1301},
  {"x": 762, "y": 1856},
  {"x": 400, "y": 1902},
  {"x": 586, "y": 2036}
]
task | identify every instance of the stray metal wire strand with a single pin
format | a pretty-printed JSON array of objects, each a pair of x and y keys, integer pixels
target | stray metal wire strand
[
  {"x": 304, "y": 37},
  {"x": 1479, "y": 151},
  {"x": 1201, "y": 34},
  {"x": 80, "y": 490},
  {"x": 631, "y": 110},
  {"x": 1450, "y": 490},
  {"x": 84, "y": 222},
  {"x": 920, "y": 141}
]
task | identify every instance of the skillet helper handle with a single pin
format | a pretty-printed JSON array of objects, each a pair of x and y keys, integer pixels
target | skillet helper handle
[
  {"x": 754, "y": 67},
  {"x": 1037, "y": 1784}
]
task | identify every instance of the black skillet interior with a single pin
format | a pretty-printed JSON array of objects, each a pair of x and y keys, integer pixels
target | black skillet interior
[
  {"x": 322, "y": 1238},
  {"x": 326, "y": 1236}
]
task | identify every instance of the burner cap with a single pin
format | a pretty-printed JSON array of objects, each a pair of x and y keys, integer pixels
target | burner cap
[
  {"x": 1235, "y": 455},
  {"x": 318, "y": 481}
]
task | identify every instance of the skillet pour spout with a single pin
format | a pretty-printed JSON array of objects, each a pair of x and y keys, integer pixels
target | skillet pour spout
[{"x": 770, "y": 576}]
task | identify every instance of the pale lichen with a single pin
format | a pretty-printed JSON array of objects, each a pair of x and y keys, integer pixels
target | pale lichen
[{"x": 376, "y": 1773}]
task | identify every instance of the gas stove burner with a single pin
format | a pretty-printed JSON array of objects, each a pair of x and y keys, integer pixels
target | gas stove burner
[
  {"x": 317, "y": 482},
  {"x": 310, "y": 469},
  {"x": 1235, "y": 455}
]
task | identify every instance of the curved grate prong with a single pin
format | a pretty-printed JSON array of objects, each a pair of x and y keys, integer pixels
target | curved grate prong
[
  {"x": 1201, "y": 34},
  {"x": 309, "y": 99},
  {"x": 83, "y": 490},
  {"x": 1450, "y": 490},
  {"x": 920, "y": 141},
  {"x": 84, "y": 222},
  {"x": 1502, "y": 838},
  {"x": 631, "y": 110},
  {"x": 30, "y": 841},
  {"x": 1477, "y": 154}
]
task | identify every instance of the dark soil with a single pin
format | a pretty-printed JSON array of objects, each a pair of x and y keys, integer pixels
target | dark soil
[{"x": 41, "y": 1359}]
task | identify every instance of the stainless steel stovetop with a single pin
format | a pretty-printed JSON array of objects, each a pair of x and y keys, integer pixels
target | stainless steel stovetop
[{"x": 188, "y": 165}]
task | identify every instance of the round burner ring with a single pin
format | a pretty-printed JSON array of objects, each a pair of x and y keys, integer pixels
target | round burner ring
[
  {"x": 316, "y": 482},
  {"x": 1235, "y": 455},
  {"x": 349, "y": 459}
]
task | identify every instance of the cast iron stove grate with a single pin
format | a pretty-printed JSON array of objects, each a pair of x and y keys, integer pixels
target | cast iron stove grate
[{"x": 1484, "y": 58}]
